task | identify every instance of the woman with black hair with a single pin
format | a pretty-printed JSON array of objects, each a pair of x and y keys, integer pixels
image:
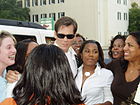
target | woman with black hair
[
  {"x": 126, "y": 72},
  {"x": 116, "y": 48},
  {"x": 47, "y": 80},
  {"x": 93, "y": 80}
]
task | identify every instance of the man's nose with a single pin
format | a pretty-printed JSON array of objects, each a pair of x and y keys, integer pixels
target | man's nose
[{"x": 65, "y": 38}]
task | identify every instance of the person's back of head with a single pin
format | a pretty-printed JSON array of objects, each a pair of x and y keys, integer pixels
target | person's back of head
[{"x": 47, "y": 79}]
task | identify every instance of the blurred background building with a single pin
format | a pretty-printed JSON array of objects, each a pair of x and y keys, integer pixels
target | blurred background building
[{"x": 97, "y": 19}]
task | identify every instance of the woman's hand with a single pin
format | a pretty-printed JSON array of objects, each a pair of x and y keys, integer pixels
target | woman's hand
[{"x": 12, "y": 76}]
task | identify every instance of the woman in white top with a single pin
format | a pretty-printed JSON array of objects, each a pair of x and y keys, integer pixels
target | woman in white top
[
  {"x": 7, "y": 58},
  {"x": 24, "y": 48},
  {"x": 92, "y": 79}
]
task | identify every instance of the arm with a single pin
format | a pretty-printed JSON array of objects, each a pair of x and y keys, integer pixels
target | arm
[
  {"x": 108, "y": 98},
  {"x": 3, "y": 84},
  {"x": 12, "y": 76}
]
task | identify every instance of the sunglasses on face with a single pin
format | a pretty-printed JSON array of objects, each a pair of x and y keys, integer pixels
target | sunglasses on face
[{"x": 62, "y": 36}]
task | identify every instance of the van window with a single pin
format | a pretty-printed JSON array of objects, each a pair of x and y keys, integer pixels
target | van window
[
  {"x": 49, "y": 40},
  {"x": 22, "y": 37}
]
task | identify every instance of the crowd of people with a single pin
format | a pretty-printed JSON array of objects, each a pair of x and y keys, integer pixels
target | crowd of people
[{"x": 71, "y": 71}]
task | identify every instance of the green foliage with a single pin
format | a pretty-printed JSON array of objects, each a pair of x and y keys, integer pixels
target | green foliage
[
  {"x": 9, "y": 9},
  {"x": 134, "y": 18},
  {"x": 134, "y": 5}
]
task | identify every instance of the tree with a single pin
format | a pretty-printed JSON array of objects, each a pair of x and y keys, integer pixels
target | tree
[
  {"x": 9, "y": 9},
  {"x": 134, "y": 18}
]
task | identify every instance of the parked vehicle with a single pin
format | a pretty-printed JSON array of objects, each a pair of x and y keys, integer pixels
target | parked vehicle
[{"x": 23, "y": 30}]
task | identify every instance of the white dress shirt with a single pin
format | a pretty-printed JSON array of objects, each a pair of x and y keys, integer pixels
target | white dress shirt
[
  {"x": 3, "y": 84},
  {"x": 10, "y": 87},
  {"x": 96, "y": 88},
  {"x": 71, "y": 59}
]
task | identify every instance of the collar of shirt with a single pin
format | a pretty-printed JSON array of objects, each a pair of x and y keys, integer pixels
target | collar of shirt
[
  {"x": 4, "y": 73},
  {"x": 71, "y": 59},
  {"x": 70, "y": 52},
  {"x": 97, "y": 69}
]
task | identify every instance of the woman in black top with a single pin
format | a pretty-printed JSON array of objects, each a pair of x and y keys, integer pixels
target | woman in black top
[{"x": 127, "y": 72}]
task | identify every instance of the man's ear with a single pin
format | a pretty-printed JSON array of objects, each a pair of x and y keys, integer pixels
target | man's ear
[{"x": 55, "y": 34}]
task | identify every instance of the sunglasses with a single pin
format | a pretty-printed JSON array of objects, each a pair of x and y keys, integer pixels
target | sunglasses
[{"x": 62, "y": 36}]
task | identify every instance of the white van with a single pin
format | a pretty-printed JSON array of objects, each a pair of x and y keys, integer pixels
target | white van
[{"x": 23, "y": 30}]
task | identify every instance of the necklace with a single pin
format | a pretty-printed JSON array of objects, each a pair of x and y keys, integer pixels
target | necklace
[{"x": 87, "y": 74}]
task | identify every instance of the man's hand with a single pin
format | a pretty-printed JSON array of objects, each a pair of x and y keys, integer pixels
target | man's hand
[{"x": 12, "y": 76}]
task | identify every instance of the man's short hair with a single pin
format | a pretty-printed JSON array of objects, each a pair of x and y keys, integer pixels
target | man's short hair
[{"x": 66, "y": 21}]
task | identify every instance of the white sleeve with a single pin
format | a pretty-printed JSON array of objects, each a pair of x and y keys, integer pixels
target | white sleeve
[
  {"x": 3, "y": 83},
  {"x": 107, "y": 89},
  {"x": 10, "y": 87}
]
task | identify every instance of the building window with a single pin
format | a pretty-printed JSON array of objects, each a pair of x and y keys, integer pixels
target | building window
[
  {"x": 29, "y": 18},
  {"x": 33, "y": 19},
  {"x": 119, "y": 33},
  {"x": 52, "y": 15},
  {"x": 119, "y": 15},
  {"x": 60, "y": 1},
  {"x": 61, "y": 14},
  {"x": 44, "y": 2},
  {"x": 27, "y": 3},
  {"x": 36, "y": 18},
  {"x": 125, "y": 16},
  {"x": 51, "y": 1},
  {"x": 43, "y": 15},
  {"x": 33, "y": 3},
  {"x": 125, "y": 33},
  {"x": 36, "y": 2},
  {"x": 118, "y": 1},
  {"x": 125, "y": 2},
  {"x": 41, "y": 2}
]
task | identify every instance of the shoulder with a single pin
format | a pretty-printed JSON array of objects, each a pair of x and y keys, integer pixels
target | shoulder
[
  {"x": 105, "y": 71},
  {"x": 2, "y": 79},
  {"x": 107, "y": 75},
  {"x": 8, "y": 101},
  {"x": 115, "y": 64},
  {"x": 72, "y": 51}
]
